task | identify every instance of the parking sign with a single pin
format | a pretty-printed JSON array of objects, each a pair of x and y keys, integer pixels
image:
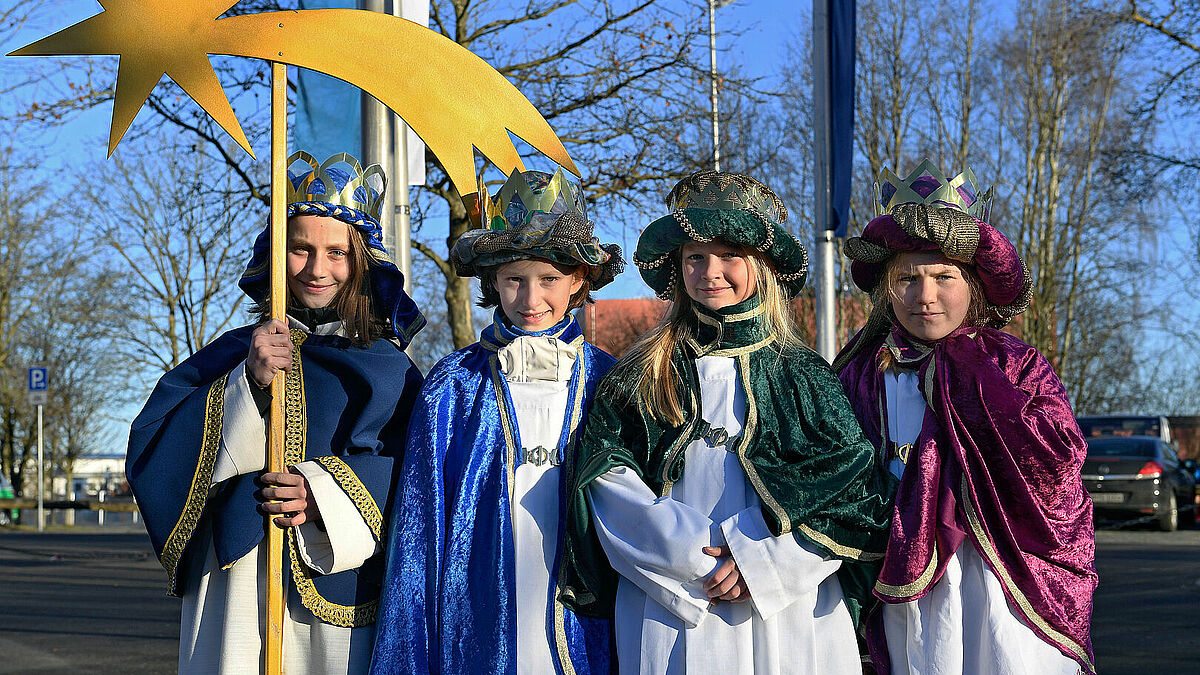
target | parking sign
[{"x": 39, "y": 381}]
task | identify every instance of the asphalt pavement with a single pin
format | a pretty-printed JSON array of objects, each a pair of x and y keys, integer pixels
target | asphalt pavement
[{"x": 93, "y": 601}]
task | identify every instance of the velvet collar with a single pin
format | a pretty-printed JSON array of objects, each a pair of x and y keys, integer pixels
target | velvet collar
[
  {"x": 501, "y": 332},
  {"x": 738, "y": 327}
]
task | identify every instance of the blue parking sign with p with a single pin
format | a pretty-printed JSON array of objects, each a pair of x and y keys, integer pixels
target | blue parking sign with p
[{"x": 39, "y": 378}]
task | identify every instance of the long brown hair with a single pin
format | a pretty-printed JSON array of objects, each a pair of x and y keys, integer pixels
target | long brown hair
[
  {"x": 648, "y": 361},
  {"x": 354, "y": 302}
]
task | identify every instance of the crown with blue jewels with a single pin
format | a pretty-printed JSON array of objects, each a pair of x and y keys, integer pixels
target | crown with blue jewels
[
  {"x": 945, "y": 193},
  {"x": 526, "y": 195},
  {"x": 321, "y": 185}
]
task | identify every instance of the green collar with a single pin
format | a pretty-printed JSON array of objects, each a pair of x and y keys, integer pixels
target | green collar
[{"x": 729, "y": 331}]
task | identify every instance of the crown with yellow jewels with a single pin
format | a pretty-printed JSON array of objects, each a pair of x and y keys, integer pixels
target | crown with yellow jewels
[
  {"x": 942, "y": 192},
  {"x": 327, "y": 184},
  {"x": 527, "y": 194}
]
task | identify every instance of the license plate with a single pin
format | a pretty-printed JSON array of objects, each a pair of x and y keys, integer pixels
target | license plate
[{"x": 1108, "y": 497}]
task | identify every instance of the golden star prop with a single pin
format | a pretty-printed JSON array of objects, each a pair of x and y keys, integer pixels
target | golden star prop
[{"x": 451, "y": 98}]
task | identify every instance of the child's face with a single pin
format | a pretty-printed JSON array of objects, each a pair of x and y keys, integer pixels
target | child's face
[
  {"x": 929, "y": 294},
  {"x": 535, "y": 294},
  {"x": 716, "y": 274},
  {"x": 318, "y": 258}
]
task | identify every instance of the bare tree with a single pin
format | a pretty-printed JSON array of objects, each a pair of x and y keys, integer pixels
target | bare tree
[{"x": 180, "y": 236}]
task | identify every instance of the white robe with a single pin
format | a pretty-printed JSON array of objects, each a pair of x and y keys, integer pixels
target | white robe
[
  {"x": 964, "y": 626},
  {"x": 796, "y": 620},
  {"x": 221, "y": 623},
  {"x": 540, "y": 406}
]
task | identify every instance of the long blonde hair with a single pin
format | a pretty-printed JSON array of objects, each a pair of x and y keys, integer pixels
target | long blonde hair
[{"x": 648, "y": 361}]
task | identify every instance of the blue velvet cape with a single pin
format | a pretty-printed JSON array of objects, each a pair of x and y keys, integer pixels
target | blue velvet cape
[
  {"x": 346, "y": 407},
  {"x": 449, "y": 599}
]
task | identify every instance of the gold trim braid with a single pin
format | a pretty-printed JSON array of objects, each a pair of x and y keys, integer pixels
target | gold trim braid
[
  {"x": 346, "y": 616},
  {"x": 356, "y": 491},
  {"x": 743, "y": 367},
  {"x": 836, "y": 548},
  {"x": 916, "y": 586},
  {"x": 295, "y": 435},
  {"x": 193, "y": 506},
  {"x": 1023, "y": 603}
]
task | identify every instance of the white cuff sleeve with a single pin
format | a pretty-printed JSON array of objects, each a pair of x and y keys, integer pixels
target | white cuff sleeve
[
  {"x": 345, "y": 541},
  {"x": 243, "y": 433},
  {"x": 656, "y": 543},
  {"x": 777, "y": 570}
]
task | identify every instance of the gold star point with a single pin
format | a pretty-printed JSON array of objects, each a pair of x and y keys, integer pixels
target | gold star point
[{"x": 152, "y": 38}]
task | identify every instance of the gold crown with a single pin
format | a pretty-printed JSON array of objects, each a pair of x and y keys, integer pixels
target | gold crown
[
  {"x": 532, "y": 192},
  {"x": 946, "y": 193},
  {"x": 301, "y": 191}
]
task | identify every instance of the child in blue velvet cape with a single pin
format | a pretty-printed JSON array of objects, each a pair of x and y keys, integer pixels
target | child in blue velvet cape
[{"x": 473, "y": 582}]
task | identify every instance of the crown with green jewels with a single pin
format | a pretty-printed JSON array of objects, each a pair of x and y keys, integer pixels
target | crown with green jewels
[
  {"x": 945, "y": 195},
  {"x": 321, "y": 185},
  {"x": 526, "y": 194}
]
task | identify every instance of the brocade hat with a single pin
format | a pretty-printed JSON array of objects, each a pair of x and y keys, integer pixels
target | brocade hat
[
  {"x": 355, "y": 197},
  {"x": 925, "y": 211},
  {"x": 535, "y": 215},
  {"x": 736, "y": 209}
]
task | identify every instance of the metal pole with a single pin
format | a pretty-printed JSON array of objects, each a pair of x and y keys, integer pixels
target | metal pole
[
  {"x": 41, "y": 510},
  {"x": 377, "y": 139},
  {"x": 712, "y": 72},
  {"x": 402, "y": 249},
  {"x": 825, "y": 299}
]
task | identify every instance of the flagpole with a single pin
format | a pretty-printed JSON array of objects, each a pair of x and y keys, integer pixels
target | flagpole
[{"x": 275, "y": 600}]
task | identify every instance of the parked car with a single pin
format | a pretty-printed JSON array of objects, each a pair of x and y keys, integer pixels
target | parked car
[
  {"x": 1131, "y": 476},
  {"x": 1097, "y": 426}
]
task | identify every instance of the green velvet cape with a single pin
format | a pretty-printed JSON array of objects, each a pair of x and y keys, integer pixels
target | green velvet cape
[{"x": 801, "y": 448}]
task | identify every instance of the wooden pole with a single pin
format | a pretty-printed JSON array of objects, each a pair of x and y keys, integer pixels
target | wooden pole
[{"x": 275, "y": 599}]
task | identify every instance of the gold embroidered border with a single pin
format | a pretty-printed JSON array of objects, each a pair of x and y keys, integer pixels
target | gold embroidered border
[
  {"x": 743, "y": 367},
  {"x": 997, "y": 565},
  {"x": 560, "y": 632},
  {"x": 742, "y": 351},
  {"x": 678, "y": 445},
  {"x": 295, "y": 411},
  {"x": 193, "y": 506},
  {"x": 757, "y": 311},
  {"x": 346, "y": 616},
  {"x": 506, "y": 425},
  {"x": 358, "y": 493},
  {"x": 836, "y": 548},
  {"x": 910, "y": 589},
  {"x": 576, "y": 405}
]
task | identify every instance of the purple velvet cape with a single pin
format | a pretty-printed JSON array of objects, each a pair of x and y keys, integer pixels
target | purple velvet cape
[{"x": 997, "y": 463}]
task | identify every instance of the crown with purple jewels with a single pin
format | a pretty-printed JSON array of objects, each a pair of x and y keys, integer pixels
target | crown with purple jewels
[
  {"x": 942, "y": 192},
  {"x": 321, "y": 185}
]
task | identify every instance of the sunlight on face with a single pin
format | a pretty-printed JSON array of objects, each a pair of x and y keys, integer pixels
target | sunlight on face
[
  {"x": 535, "y": 294},
  {"x": 716, "y": 274},
  {"x": 929, "y": 294},
  {"x": 318, "y": 258}
]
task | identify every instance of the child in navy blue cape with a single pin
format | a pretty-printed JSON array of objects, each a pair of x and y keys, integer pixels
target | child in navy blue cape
[{"x": 197, "y": 449}]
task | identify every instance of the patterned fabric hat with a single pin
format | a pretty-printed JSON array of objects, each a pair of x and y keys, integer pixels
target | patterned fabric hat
[
  {"x": 736, "y": 209},
  {"x": 535, "y": 215},
  {"x": 346, "y": 194},
  {"x": 928, "y": 212}
]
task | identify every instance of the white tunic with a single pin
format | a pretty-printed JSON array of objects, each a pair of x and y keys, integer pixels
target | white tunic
[
  {"x": 964, "y": 626},
  {"x": 221, "y": 624},
  {"x": 540, "y": 406},
  {"x": 796, "y": 620}
]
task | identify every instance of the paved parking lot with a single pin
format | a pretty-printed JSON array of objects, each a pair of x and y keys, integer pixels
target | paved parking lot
[{"x": 92, "y": 601}]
